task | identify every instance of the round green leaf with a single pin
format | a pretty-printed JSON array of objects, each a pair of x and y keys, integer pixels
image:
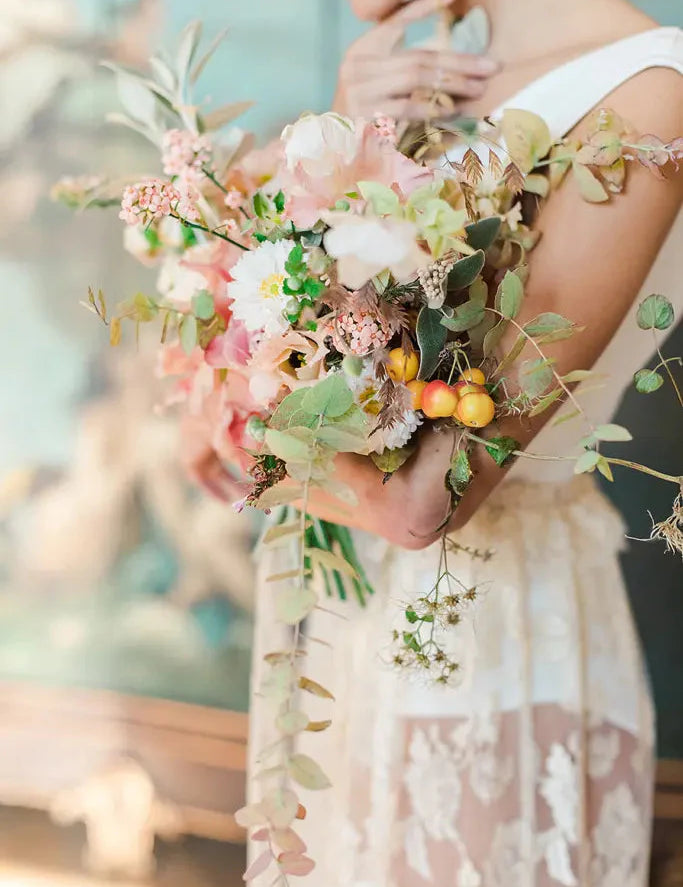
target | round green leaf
[
  {"x": 292, "y": 605},
  {"x": 587, "y": 462},
  {"x": 331, "y": 397},
  {"x": 656, "y": 312},
  {"x": 647, "y": 381}
]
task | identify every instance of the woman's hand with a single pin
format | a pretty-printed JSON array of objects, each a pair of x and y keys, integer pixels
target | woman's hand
[{"x": 377, "y": 77}]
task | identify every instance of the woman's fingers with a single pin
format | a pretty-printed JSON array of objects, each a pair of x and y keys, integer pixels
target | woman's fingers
[{"x": 425, "y": 63}]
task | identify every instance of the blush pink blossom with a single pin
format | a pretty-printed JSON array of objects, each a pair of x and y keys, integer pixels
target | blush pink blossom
[
  {"x": 232, "y": 348},
  {"x": 374, "y": 160},
  {"x": 151, "y": 200},
  {"x": 184, "y": 153}
]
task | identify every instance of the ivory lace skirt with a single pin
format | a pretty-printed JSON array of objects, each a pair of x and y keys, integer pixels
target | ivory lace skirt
[{"x": 536, "y": 769}]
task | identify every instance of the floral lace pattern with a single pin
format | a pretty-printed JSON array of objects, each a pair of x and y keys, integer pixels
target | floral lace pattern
[{"x": 536, "y": 770}]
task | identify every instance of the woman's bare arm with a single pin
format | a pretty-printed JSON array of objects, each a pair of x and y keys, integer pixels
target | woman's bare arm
[
  {"x": 374, "y": 10},
  {"x": 589, "y": 266}
]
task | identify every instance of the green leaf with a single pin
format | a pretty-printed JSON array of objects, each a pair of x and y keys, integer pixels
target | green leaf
[
  {"x": 526, "y": 136},
  {"x": 465, "y": 271},
  {"x": 537, "y": 184},
  {"x": 307, "y": 773},
  {"x": 577, "y": 376},
  {"x": 587, "y": 462},
  {"x": 187, "y": 47},
  {"x": 481, "y": 235},
  {"x": 412, "y": 616},
  {"x": 549, "y": 327},
  {"x": 188, "y": 333},
  {"x": 331, "y": 397},
  {"x": 502, "y": 450},
  {"x": 493, "y": 337},
  {"x": 295, "y": 260},
  {"x": 647, "y": 381},
  {"x": 383, "y": 200},
  {"x": 509, "y": 296},
  {"x": 291, "y": 722},
  {"x": 612, "y": 433},
  {"x": 290, "y": 414},
  {"x": 512, "y": 354},
  {"x": 391, "y": 460},
  {"x": 545, "y": 403},
  {"x": 590, "y": 188},
  {"x": 294, "y": 604},
  {"x": 342, "y": 441},
  {"x": 465, "y": 317},
  {"x": 604, "y": 468},
  {"x": 479, "y": 291},
  {"x": 331, "y": 561},
  {"x": 313, "y": 287},
  {"x": 431, "y": 337},
  {"x": 460, "y": 472},
  {"x": 279, "y": 201},
  {"x": 202, "y": 305},
  {"x": 535, "y": 376},
  {"x": 260, "y": 204},
  {"x": 287, "y": 446},
  {"x": 655, "y": 313}
]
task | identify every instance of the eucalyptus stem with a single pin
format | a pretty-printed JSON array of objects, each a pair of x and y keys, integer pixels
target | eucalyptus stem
[
  {"x": 558, "y": 378},
  {"x": 626, "y": 463},
  {"x": 665, "y": 363}
]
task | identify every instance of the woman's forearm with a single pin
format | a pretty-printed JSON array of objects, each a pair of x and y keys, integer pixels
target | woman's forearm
[{"x": 374, "y": 10}]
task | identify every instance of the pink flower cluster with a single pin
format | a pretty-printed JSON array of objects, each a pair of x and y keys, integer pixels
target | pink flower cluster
[
  {"x": 363, "y": 331},
  {"x": 183, "y": 153},
  {"x": 234, "y": 199},
  {"x": 386, "y": 128},
  {"x": 150, "y": 200}
]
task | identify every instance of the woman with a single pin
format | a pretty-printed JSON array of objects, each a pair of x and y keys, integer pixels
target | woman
[{"x": 537, "y": 769}]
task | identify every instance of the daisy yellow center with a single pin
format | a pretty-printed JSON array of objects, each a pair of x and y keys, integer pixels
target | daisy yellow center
[{"x": 271, "y": 286}]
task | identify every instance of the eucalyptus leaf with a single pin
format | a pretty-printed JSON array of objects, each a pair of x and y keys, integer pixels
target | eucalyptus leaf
[
  {"x": 342, "y": 441},
  {"x": 290, "y": 413},
  {"x": 587, "y": 462},
  {"x": 589, "y": 186},
  {"x": 307, "y": 773},
  {"x": 535, "y": 376},
  {"x": 527, "y": 137},
  {"x": 431, "y": 337},
  {"x": 294, "y": 604},
  {"x": 332, "y": 397},
  {"x": 313, "y": 687},
  {"x": 605, "y": 469},
  {"x": 383, "y": 200},
  {"x": 287, "y": 446},
  {"x": 188, "y": 333},
  {"x": 493, "y": 337},
  {"x": 612, "y": 432},
  {"x": 546, "y": 402},
  {"x": 549, "y": 327},
  {"x": 202, "y": 305}
]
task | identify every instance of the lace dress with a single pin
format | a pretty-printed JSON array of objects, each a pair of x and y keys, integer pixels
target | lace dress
[{"x": 536, "y": 770}]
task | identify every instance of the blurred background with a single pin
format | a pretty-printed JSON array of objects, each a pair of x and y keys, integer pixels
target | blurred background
[{"x": 124, "y": 592}]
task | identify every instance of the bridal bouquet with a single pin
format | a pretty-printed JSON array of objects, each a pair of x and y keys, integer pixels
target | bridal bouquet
[{"x": 332, "y": 295}]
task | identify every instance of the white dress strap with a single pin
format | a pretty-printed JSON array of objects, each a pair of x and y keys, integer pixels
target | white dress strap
[{"x": 566, "y": 94}]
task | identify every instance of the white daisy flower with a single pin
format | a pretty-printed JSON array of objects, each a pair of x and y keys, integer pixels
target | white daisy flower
[{"x": 257, "y": 287}]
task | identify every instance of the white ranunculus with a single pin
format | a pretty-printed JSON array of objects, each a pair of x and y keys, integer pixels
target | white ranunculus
[
  {"x": 365, "y": 246},
  {"x": 257, "y": 287},
  {"x": 319, "y": 143},
  {"x": 177, "y": 282}
]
